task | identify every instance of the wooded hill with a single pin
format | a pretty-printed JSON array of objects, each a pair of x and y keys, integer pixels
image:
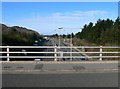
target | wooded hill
[
  {"x": 103, "y": 32},
  {"x": 16, "y": 35}
]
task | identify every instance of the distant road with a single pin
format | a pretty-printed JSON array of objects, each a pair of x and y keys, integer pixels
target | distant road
[{"x": 54, "y": 42}]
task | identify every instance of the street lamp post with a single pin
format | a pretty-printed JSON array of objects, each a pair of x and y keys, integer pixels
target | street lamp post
[
  {"x": 71, "y": 43},
  {"x": 60, "y": 28},
  {"x": 59, "y": 40},
  {"x": 71, "y": 49}
]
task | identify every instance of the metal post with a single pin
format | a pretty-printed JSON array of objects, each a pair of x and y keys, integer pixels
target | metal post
[
  {"x": 8, "y": 59},
  {"x": 59, "y": 40},
  {"x": 71, "y": 49},
  {"x": 55, "y": 50},
  {"x": 100, "y": 53},
  {"x": 61, "y": 55},
  {"x": 71, "y": 52},
  {"x": 83, "y": 49}
]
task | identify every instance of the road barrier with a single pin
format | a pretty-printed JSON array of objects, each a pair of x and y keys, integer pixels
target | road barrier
[{"x": 59, "y": 52}]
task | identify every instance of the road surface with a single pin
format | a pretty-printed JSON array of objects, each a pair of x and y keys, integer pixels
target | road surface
[
  {"x": 54, "y": 42},
  {"x": 60, "y": 74}
]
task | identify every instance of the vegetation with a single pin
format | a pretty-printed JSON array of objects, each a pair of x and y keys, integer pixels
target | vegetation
[
  {"x": 64, "y": 35},
  {"x": 18, "y": 35},
  {"x": 104, "y": 32}
]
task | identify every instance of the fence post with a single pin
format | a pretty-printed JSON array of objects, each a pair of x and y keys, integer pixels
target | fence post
[
  {"x": 71, "y": 52},
  {"x": 61, "y": 54},
  {"x": 8, "y": 59},
  {"x": 55, "y": 55},
  {"x": 83, "y": 49},
  {"x": 100, "y": 53}
]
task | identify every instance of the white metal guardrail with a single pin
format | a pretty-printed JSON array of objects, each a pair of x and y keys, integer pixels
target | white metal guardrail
[{"x": 58, "y": 53}]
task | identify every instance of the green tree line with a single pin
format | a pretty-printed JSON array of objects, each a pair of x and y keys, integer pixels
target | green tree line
[{"x": 103, "y": 32}]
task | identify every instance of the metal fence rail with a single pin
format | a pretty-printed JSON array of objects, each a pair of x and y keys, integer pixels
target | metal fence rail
[{"x": 57, "y": 53}]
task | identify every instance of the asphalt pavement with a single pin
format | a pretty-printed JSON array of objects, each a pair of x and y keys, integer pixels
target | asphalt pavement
[
  {"x": 69, "y": 55},
  {"x": 60, "y": 74},
  {"x": 60, "y": 80}
]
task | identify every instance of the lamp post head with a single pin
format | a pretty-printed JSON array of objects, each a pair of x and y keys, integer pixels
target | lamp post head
[{"x": 60, "y": 28}]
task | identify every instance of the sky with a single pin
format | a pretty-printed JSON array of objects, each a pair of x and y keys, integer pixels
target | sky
[{"x": 47, "y": 17}]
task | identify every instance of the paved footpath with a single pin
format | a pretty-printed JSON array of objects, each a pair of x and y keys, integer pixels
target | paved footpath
[{"x": 83, "y": 66}]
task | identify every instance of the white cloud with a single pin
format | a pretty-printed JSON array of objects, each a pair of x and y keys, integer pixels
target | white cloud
[{"x": 47, "y": 24}]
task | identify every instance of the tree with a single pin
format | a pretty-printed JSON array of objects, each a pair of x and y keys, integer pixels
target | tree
[
  {"x": 63, "y": 35},
  {"x": 103, "y": 32},
  {"x": 68, "y": 35}
]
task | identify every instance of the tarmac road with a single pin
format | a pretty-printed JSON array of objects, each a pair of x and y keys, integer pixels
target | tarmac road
[
  {"x": 60, "y": 74},
  {"x": 54, "y": 42},
  {"x": 60, "y": 80}
]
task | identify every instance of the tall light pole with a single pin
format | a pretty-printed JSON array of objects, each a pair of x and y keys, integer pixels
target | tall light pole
[
  {"x": 59, "y": 41},
  {"x": 71, "y": 48},
  {"x": 60, "y": 29},
  {"x": 58, "y": 36},
  {"x": 71, "y": 42}
]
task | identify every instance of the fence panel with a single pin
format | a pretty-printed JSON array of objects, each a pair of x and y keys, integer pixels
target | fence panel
[{"x": 59, "y": 52}]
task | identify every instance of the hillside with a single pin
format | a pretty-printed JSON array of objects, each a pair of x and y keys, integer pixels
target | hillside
[{"x": 16, "y": 35}]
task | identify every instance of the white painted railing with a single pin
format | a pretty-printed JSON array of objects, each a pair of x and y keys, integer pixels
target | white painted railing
[{"x": 58, "y": 52}]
